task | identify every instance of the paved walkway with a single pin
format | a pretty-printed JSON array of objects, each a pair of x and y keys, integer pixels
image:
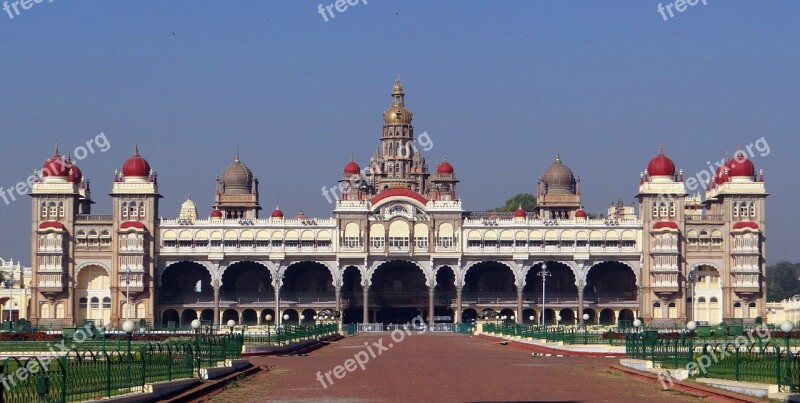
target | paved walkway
[{"x": 438, "y": 368}]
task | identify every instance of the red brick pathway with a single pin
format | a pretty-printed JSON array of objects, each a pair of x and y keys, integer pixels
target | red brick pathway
[{"x": 440, "y": 368}]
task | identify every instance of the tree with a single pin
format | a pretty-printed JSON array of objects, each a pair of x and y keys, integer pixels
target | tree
[
  {"x": 782, "y": 280},
  {"x": 526, "y": 200}
]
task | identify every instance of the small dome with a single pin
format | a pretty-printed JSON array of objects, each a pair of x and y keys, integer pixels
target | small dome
[
  {"x": 397, "y": 115},
  {"x": 520, "y": 213},
  {"x": 581, "y": 214},
  {"x": 75, "y": 174},
  {"x": 741, "y": 166},
  {"x": 216, "y": 213},
  {"x": 661, "y": 165},
  {"x": 301, "y": 215},
  {"x": 237, "y": 178},
  {"x": 55, "y": 165},
  {"x": 352, "y": 168},
  {"x": 136, "y": 165},
  {"x": 277, "y": 213},
  {"x": 558, "y": 178},
  {"x": 444, "y": 167}
]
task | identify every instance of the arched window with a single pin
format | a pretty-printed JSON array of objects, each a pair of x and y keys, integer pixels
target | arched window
[
  {"x": 124, "y": 209},
  {"x": 743, "y": 209},
  {"x": 44, "y": 210},
  {"x": 663, "y": 211},
  {"x": 95, "y": 303},
  {"x": 141, "y": 210},
  {"x": 701, "y": 300},
  {"x": 655, "y": 209},
  {"x": 82, "y": 303},
  {"x": 106, "y": 303},
  {"x": 61, "y": 209},
  {"x": 752, "y": 209},
  {"x": 713, "y": 300},
  {"x": 735, "y": 209},
  {"x": 53, "y": 211}
]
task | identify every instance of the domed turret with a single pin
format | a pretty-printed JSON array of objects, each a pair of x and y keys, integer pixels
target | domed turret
[
  {"x": 558, "y": 178},
  {"x": 277, "y": 213},
  {"x": 741, "y": 166},
  {"x": 136, "y": 165},
  {"x": 444, "y": 168},
  {"x": 661, "y": 165},
  {"x": 55, "y": 165},
  {"x": 216, "y": 213},
  {"x": 352, "y": 168},
  {"x": 237, "y": 178},
  {"x": 520, "y": 213},
  {"x": 397, "y": 114}
]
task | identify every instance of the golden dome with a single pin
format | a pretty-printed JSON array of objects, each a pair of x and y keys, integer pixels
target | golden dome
[{"x": 397, "y": 114}]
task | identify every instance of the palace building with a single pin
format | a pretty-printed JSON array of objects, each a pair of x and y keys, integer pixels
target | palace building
[{"x": 398, "y": 244}]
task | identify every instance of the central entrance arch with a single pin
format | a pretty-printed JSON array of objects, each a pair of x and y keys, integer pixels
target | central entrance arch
[{"x": 398, "y": 293}]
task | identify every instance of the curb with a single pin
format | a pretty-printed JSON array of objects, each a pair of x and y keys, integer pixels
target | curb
[
  {"x": 548, "y": 351},
  {"x": 690, "y": 388}
]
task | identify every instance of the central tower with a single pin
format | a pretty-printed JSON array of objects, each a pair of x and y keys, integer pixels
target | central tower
[{"x": 398, "y": 163}]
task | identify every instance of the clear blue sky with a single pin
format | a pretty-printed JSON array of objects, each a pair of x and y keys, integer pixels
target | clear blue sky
[{"x": 497, "y": 85}]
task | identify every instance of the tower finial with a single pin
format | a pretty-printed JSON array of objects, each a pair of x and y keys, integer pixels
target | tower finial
[
  {"x": 55, "y": 153},
  {"x": 660, "y": 149},
  {"x": 558, "y": 155},
  {"x": 136, "y": 150}
]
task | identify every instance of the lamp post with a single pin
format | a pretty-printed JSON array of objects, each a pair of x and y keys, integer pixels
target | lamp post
[
  {"x": 231, "y": 324},
  {"x": 786, "y": 327},
  {"x": 128, "y": 292},
  {"x": 301, "y": 319},
  {"x": 128, "y": 327},
  {"x": 637, "y": 324},
  {"x": 196, "y": 327},
  {"x": 10, "y": 285},
  {"x": 691, "y": 278},
  {"x": 543, "y": 274}
]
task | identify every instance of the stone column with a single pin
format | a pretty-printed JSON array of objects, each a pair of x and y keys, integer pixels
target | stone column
[
  {"x": 430, "y": 306},
  {"x": 580, "y": 305},
  {"x": 457, "y": 314},
  {"x": 338, "y": 291},
  {"x": 216, "y": 303},
  {"x": 278, "y": 313},
  {"x": 519, "y": 305},
  {"x": 366, "y": 304}
]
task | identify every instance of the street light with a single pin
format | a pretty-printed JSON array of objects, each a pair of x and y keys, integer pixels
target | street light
[
  {"x": 786, "y": 327},
  {"x": 128, "y": 291},
  {"x": 302, "y": 318},
  {"x": 128, "y": 327},
  {"x": 268, "y": 318},
  {"x": 231, "y": 324},
  {"x": 196, "y": 327},
  {"x": 691, "y": 278},
  {"x": 558, "y": 319},
  {"x": 544, "y": 273}
]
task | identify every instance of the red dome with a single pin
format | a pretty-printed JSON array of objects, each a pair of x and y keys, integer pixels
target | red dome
[
  {"x": 131, "y": 224},
  {"x": 661, "y": 165},
  {"x": 51, "y": 224},
  {"x": 402, "y": 192},
  {"x": 352, "y": 168},
  {"x": 55, "y": 165},
  {"x": 136, "y": 165},
  {"x": 75, "y": 175},
  {"x": 740, "y": 165},
  {"x": 520, "y": 213},
  {"x": 721, "y": 176},
  {"x": 581, "y": 214},
  {"x": 745, "y": 224},
  {"x": 665, "y": 224},
  {"x": 444, "y": 168},
  {"x": 277, "y": 213},
  {"x": 216, "y": 213}
]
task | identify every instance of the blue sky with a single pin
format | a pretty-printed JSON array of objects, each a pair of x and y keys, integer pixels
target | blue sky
[{"x": 498, "y": 86}]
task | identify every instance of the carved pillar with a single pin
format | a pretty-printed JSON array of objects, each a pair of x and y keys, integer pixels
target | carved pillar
[
  {"x": 430, "y": 306},
  {"x": 216, "y": 303},
  {"x": 519, "y": 304},
  {"x": 338, "y": 291},
  {"x": 457, "y": 316},
  {"x": 366, "y": 304},
  {"x": 580, "y": 305}
]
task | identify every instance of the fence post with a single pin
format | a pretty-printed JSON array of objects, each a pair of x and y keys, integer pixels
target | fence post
[
  {"x": 736, "y": 362},
  {"x": 108, "y": 373}
]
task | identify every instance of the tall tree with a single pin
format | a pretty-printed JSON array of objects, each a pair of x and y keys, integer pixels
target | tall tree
[
  {"x": 526, "y": 200},
  {"x": 782, "y": 280}
]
